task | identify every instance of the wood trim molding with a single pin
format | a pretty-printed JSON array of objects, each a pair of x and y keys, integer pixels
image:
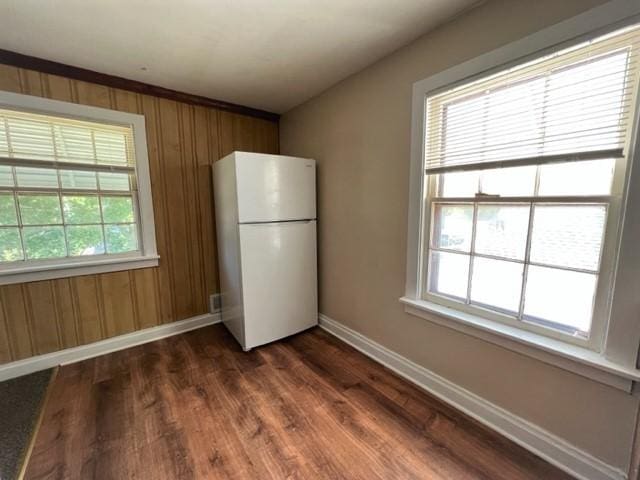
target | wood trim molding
[
  {"x": 102, "y": 347},
  {"x": 20, "y": 60}
]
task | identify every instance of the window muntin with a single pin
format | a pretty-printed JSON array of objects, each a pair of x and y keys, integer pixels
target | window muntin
[
  {"x": 524, "y": 244},
  {"x": 68, "y": 190}
]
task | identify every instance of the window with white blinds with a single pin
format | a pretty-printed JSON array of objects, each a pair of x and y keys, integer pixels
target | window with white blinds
[
  {"x": 570, "y": 106},
  {"x": 68, "y": 190},
  {"x": 525, "y": 173}
]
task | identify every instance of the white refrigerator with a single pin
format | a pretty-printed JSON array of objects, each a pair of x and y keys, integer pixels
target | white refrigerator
[{"x": 266, "y": 230}]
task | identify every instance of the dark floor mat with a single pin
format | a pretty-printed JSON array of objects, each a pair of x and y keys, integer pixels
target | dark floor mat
[{"x": 21, "y": 400}]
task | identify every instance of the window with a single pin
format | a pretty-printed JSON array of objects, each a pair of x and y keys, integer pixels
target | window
[
  {"x": 70, "y": 190},
  {"x": 524, "y": 180}
]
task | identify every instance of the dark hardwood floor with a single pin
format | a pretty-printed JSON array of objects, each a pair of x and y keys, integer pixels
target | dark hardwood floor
[{"x": 196, "y": 406}]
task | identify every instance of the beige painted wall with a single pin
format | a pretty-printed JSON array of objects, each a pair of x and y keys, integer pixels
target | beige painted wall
[{"x": 359, "y": 131}]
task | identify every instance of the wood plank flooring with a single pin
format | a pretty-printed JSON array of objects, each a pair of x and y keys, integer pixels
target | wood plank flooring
[{"x": 195, "y": 406}]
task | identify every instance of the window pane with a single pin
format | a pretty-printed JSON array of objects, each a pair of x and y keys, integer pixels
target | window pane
[
  {"x": 6, "y": 176},
  {"x": 463, "y": 119},
  {"x": 121, "y": 238},
  {"x": 568, "y": 235},
  {"x": 509, "y": 182},
  {"x": 582, "y": 101},
  {"x": 501, "y": 123},
  {"x": 458, "y": 184},
  {"x": 4, "y": 146},
  {"x": 592, "y": 177},
  {"x": 78, "y": 179},
  {"x": 31, "y": 139},
  {"x": 36, "y": 177},
  {"x": 514, "y": 119},
  {"x": 81, "y": 209},
  {"x": 39, "y": 209},
  {"x": 7, "y": 210},
  {"x": 10, "y": 246},
  {"x": 114, "y": 181},
  {"x": 85, "y": 240},
  {"x": 501, "y": 230},
  {"x": 117, "y": 209},
  {"x": 74, "y": 144},
  {"x": 449, "y": 274},
  {"x": 110, "y": 147},
  {"x": 452, "y": 226},
  {"x": 560, "y": 296},
  {"x": 44, "y": 242},
  {"x": 497, "y": 284}
]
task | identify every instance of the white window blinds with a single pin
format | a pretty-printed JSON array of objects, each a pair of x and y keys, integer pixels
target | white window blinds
[
  {"x": 51, "y": 142},
  {"x": 573, "y": 105}
]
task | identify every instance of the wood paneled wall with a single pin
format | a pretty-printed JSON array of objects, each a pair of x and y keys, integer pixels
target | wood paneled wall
[{"x": 183, "y": 141}]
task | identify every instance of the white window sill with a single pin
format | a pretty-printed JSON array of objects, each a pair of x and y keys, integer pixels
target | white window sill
[
  {"x": 576, "y": 359},
  {"x": 49, "y": 271}
]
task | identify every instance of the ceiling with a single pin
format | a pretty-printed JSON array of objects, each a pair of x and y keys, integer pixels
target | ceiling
[{"x": 267, "y": 54}]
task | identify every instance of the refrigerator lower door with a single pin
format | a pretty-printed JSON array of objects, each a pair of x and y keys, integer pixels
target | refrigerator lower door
[{"x": 279, "y": 280}]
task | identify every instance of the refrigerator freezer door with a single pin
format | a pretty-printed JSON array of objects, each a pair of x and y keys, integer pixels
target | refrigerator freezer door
[
  {"x": 275, "y": 188},
  {"x": 279, "y": 280}
]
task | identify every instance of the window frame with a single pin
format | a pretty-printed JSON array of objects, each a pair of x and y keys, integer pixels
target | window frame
[
  {"x": 605, "y": 271},
  {"x": 147, "y": 256},
  {"x": 610, "y": 356}
]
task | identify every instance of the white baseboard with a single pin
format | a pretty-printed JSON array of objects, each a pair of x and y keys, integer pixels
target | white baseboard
[
  {"x": 535, "y": 439},
  {"x": 83, "y": 352}
]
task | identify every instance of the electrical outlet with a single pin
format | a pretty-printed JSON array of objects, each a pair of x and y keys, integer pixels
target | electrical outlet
[{"x": 215, "y": 303}]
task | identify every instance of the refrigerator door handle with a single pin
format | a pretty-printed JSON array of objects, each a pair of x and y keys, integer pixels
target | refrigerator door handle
[{"x": 279, "y": 222}]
